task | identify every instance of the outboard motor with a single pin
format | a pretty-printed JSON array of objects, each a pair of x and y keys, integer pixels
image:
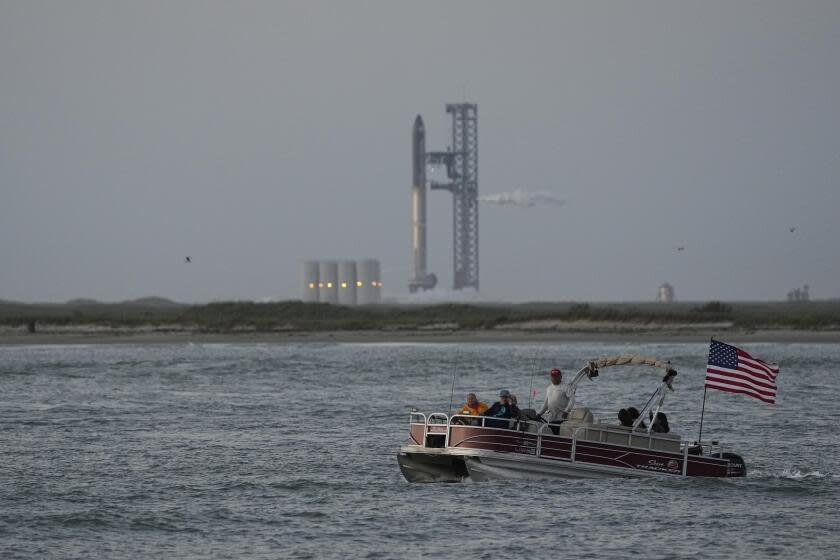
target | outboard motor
[{"x": 736, "y": 467}]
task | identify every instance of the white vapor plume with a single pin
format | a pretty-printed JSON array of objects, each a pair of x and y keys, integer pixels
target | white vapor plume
[
  {"x": 443, "y": 295},
  {"x": 523, "y": 199}
]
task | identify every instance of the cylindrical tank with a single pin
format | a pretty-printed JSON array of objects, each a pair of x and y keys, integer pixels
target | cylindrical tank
[
  {"x": 665, "y": 293},
  {"x": 347, "y": 283},
  {"x": 328, "y": 282},
  {"x": 309, "y": 281},
  {"x": 368, "y": 282}
]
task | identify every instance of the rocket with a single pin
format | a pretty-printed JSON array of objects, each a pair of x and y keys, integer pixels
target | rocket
[{"x": 420, "y": 280}]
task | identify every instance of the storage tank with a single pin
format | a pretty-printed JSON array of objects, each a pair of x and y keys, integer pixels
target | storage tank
[
  {"x": 665, "y": 293},
  {"x": 309, "y": 281},
  {"x": 347, "y": 283},
  {"x": 328, "y": 282},
  {"x": 368, "y": 282}
]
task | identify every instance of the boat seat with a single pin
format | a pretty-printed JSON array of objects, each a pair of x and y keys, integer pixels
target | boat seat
[
  {"x": 620, "y": 435},
  {"x": 582, "y": 416},
  {"x": 667, "y": 442},
  {"x": 577, "y": 417}
]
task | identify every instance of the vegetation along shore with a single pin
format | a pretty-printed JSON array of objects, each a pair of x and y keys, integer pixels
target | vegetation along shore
[{"x": 157, "y": 318}]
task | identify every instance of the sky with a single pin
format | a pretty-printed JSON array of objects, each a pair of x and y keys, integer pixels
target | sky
[{"x": 253, "y": 135}]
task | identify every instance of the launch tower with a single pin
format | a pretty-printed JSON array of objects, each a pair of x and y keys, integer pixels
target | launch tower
[{"x": 461, "y": 162}]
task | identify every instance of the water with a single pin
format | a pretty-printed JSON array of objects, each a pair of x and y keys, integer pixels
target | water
[{"x": 275, "y": 451}]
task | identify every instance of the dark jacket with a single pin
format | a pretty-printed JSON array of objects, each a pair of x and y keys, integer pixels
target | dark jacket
[
  {"x": 660, "y": 425},
  {"x": 499, "y": 410}
]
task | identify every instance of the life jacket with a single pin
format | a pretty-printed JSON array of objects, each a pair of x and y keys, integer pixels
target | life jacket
[{"x": 480, "y": 408}]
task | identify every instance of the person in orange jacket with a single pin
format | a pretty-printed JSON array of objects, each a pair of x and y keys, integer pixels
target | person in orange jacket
[{"x": 474, "y": 407}]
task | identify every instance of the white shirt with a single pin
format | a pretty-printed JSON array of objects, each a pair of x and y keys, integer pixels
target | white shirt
[{"x": 556, "y": 400}]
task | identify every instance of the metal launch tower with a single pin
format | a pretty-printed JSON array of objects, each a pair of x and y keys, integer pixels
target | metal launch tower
[{"x": 461, "y": 162}]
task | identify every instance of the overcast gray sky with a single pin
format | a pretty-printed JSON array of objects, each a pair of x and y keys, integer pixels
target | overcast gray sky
[{"x": 250, "y": 135}]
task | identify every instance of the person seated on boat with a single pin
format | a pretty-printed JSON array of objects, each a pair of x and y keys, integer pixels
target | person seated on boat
[
  {"x": 660, "y": 425},
  {"x": 624, "y": 418},
  {"x": 557, "y": 396},
  {"x": 502, "y": 408},
  {"x": 627, "y": 417},
  {"x": 520, "y": 414},
  {"x": 473, "y": 407},
  {"x": 516, "y": 412}
]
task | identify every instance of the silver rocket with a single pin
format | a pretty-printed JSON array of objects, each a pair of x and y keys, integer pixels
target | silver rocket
[{"x": 420, "y": 280}]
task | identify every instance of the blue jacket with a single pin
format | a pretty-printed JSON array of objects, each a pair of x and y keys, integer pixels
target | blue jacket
[{"x": 499, "y": 410}]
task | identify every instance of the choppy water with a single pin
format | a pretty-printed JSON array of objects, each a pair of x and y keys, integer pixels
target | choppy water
[{"x": 274, "y": 451}]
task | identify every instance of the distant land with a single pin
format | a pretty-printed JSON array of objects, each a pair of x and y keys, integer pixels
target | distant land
[{"x": 20, "y": 322}]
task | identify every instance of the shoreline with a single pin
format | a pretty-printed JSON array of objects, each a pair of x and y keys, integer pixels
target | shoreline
[{"x": 662, "y": 335}]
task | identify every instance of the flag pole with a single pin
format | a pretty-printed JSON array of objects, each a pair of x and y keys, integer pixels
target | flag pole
[
  {"x": 703, "y": 411},
  {"x": 700, "y": 437}
]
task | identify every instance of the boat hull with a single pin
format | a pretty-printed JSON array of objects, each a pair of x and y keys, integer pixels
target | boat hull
[
  {"x": 420, "y": 464},
  {"x": 490, "y": 467}
]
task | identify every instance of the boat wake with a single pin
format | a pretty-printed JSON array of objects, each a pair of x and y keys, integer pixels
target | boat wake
[
  {"x": 793, "y": 474},
  {"x": 796, "y": 474}
]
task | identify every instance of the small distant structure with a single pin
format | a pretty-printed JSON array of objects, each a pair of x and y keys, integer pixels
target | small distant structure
[
  {"x": 344, "y": 283},
  {"x": 799, "y": 294},
  {"x": 665, "y": 293}
]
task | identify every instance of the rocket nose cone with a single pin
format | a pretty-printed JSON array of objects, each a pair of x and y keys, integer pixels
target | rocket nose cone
[{"x": 418, "y": 124}]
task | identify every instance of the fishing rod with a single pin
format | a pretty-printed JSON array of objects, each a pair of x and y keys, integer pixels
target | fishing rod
[
  {"x": 531, "y": 390},
  {"x": 451, "y": 394}
]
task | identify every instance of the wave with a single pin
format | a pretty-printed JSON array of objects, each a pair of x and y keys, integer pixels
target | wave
[
  {"x": 792, "y": 474},
  {"x": 796, "y": 474}
]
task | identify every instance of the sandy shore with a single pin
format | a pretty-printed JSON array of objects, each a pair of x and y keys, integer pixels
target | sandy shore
[{"x": 600, "y": 334}]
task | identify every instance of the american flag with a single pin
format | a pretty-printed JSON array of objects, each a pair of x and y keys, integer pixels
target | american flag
[{"x": 733, "y": 370}]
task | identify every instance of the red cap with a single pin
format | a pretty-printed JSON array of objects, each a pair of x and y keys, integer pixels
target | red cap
[{"x": 556, "y": 371}]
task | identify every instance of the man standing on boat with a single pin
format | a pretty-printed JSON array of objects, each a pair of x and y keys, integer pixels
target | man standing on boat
[{"x": 557, "y": 397}]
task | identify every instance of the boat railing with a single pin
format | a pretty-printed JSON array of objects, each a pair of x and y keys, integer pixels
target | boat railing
[
  {"x": 710, "y": 448},
  {"x": 434, "y": 420},
  {"x": 467, "y": 420},
  {"x": 599, "y": 433},
  {"x": 683, "y": 450},
  {"x": 514, "y": 424},
  {"x": 415, "y": 417},
  {"x": 438, "y": 418},
  {"x": 633, "y": 438}
]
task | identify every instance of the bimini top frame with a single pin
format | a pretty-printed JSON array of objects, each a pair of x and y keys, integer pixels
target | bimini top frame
[{"x": 591, "y": 369}]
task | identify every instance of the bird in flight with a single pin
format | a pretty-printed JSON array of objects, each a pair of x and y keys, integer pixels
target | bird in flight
[
  {"x": 681, "y": 248},
  {"x": 187, "y": 259},
  {"x": 792, "y": 229}
]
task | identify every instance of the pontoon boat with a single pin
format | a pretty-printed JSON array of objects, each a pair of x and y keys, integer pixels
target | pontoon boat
[{"x": 444, "y": 448}]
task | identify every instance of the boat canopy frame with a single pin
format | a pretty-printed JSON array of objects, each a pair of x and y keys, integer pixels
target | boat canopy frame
[{"x": 654, "y": 403}]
